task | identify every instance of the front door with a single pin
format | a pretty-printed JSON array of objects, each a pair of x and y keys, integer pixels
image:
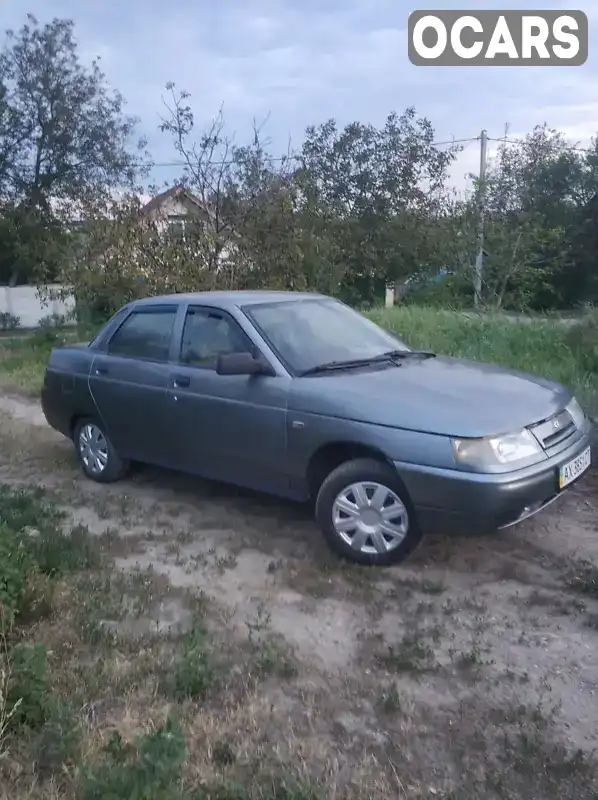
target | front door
[
  {"x": 230, "y": 427},
  {"x": 128, "y": 382}
]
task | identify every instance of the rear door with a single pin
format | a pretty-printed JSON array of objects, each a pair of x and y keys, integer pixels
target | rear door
[
  {"x": 229, "y": 427},
  {"x": 128, "y": 382}
]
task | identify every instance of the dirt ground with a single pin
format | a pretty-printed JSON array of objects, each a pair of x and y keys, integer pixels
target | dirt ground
[{"x": 469, "y": 671}]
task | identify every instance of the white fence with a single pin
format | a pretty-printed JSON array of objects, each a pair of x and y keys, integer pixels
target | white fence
[{"x": 24, "y": 303}]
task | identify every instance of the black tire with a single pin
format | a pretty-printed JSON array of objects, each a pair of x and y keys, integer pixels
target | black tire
[
  {"x": 356, "y": 471},
  {"x": 116, "y": 467}
]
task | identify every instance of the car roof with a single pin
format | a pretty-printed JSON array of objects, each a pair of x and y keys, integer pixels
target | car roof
[{"x": 230, "y": 298}]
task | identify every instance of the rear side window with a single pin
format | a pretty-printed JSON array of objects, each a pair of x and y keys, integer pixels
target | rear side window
[{"x": 145, "y": 334}]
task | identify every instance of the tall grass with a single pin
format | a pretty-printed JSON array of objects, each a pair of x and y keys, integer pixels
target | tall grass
[
  {"x": 544, "y": 346},
  {"x": 23, "y": 357}
]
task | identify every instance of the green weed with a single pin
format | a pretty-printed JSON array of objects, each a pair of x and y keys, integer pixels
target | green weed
[
  {"x": 410, "y": 655},
  {"x": 148, "y": 769},
  {"x": 27, "y": 686},
  {"x": 192, "y": 675},
  {"x": 33, "y": 549}
]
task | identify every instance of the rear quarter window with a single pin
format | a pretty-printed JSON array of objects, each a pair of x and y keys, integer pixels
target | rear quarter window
[{"x": 145, "y": 334}]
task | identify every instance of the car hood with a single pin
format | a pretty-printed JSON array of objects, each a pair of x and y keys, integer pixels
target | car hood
[{"x": 443, "y": 395}]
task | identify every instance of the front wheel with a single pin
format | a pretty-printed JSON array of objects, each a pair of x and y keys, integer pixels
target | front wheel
[
  {"x": 365, "y": 513},
  {"x": 96, "y": 454}
]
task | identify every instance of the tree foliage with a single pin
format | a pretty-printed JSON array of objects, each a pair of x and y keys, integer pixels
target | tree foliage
[
  {"x": 64, "y": 137},
  {"x": 354, "y": 209},
  {"x": 535, "y": 198}
]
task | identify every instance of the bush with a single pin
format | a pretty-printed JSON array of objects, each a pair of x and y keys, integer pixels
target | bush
[
  {"x": 451, "y": 291},
  {"x": 8, "y": 322},
  {"x": 57, "y": 553},
  {"x": 148, "y": 769},
  {"x": 27, "y": 508},
  {"x": 46, "y": 337},
  {"x": 192, "y": 674},
  {"x": 27, "y": 686},
  {"x": 57, "y": 745},
  {"x": 53, "y": 321},
  {"x": 17, "y": 574},
  {"x": 34, "y": 549}
]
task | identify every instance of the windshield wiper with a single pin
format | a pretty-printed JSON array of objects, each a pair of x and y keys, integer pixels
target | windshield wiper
[
  {"x": 407, "y": 354},
  {"x": 389, "y": 355},
  {"x": 332, "y": 365}
]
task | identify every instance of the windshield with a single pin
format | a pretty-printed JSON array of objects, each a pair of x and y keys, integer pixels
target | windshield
[{"x": 306, "y": 333}]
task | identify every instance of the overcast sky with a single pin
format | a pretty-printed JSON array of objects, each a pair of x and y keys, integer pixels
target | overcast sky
[{"x": 305, "y": 61}]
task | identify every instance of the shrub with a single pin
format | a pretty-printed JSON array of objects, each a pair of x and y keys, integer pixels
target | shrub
[
  {"x": 27, "y": 685},
  {"x": 34, "y": 548},
  {"x": 58, "y": 742},
  {"x": 17, "y": 574},
  {"x": 57, "y": 553},
  {"x": 45, "y": 337},
  {"x": 8, "y": 321},
  {"x": 148, "y": 769},
  {"x": 27, "y": 508},
  {"x": 52, "y": 321},
  {"x": 192, "y": 674}
]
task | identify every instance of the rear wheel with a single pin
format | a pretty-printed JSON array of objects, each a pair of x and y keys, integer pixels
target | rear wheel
[
  {"x": 365, "y": 513},
  {"x": 96, "y": 454}
]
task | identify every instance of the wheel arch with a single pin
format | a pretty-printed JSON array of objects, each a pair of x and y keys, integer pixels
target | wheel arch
[
  {"x": 74, "y": 420},
  {"x": 332, "y": 454}
]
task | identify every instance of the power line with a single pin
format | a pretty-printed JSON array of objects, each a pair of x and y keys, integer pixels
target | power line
[
  {"x": 279, "y": 159},
  {"x": 295, "y": 157},
  {"x": 523, "y": 141}
]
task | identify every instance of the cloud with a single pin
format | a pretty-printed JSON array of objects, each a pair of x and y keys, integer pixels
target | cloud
[{"x": 302, "y": 63}]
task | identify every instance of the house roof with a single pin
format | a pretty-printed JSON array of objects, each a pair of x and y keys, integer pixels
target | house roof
[{"x": 175, "y": 191}]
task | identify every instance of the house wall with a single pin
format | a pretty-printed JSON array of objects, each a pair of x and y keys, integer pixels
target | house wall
[
  {"x": 172, "y": 207},
  {"x": 24, "y": 303}
]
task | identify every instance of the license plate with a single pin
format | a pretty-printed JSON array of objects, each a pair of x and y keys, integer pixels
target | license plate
[{"x": 574, "y": 468}]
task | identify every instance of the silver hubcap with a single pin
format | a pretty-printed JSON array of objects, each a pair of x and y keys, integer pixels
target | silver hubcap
[
  {"x": 93, "y": 448},
  {"x": 370, "y": 517}
]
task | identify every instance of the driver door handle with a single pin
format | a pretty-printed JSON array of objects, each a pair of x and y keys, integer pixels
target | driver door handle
[{"x": 181, "y": 381}]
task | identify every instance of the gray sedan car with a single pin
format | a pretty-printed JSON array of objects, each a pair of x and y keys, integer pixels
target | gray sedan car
[{"x": 300, "y": 396}]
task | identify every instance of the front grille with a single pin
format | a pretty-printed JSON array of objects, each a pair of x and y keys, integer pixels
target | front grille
[{"x": 555, "y": 431}]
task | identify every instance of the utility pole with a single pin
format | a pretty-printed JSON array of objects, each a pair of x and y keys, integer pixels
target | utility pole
[{"x": 479, "y": 264}]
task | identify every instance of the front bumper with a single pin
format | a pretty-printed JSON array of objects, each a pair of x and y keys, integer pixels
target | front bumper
[{"x": 451, "y": 501}]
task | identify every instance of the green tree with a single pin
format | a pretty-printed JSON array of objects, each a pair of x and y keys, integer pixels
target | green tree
[
  {"x": 125, "y": 253},
  {"x": 63, "y": 138},
  {"x": 258, "y": 233},
  {"x": 533, "y": 194},
  {"x": 385, "y": 187}
]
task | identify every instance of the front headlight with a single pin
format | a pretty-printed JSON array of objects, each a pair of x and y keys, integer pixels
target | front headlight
[
  {"x": 577, "y": 413},
  {"x": 492, "y": 450}
]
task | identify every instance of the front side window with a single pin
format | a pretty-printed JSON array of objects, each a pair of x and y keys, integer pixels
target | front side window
[
  {"x": 145, "y": 334},
  {"x": 306, "y": 333},
  {"x": 209, "y": 334}
]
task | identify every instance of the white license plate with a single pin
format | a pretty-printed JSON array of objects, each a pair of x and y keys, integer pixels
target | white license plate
[{"x": 573, "y": 469}]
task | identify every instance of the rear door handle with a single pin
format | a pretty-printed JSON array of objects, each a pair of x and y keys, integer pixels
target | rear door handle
[
  {"x": 101, "y": 370},
  {"x": 182, "y": 381}
]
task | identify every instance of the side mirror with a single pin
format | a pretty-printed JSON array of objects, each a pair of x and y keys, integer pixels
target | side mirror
[{"x": 242, "y": 364}]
